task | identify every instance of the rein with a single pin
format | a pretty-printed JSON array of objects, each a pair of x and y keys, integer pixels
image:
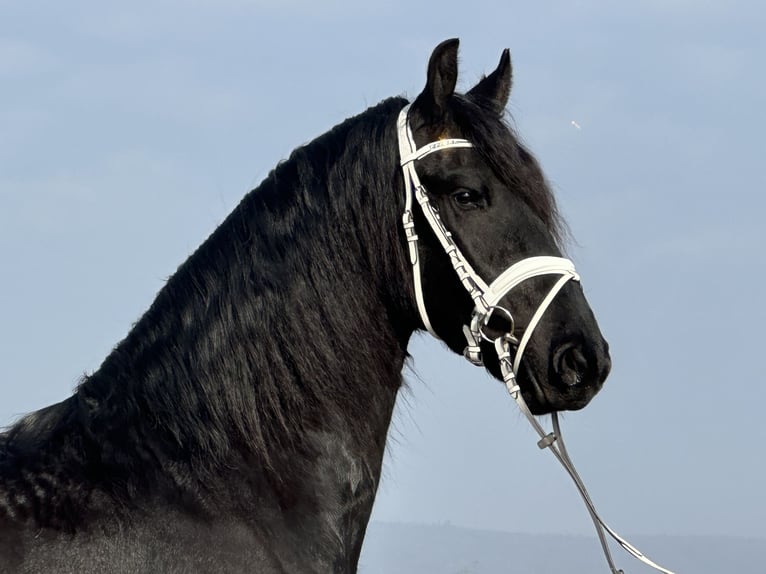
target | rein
[{"x": 486, "y": 298}]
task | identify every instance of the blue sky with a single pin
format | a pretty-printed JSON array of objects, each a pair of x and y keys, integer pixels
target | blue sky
[{"x": 128, "y": 133}]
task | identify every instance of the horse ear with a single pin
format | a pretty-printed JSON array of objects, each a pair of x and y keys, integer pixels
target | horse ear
[
  {"x": 495, "y": 88},
  {"x": 442, "y": 78}
]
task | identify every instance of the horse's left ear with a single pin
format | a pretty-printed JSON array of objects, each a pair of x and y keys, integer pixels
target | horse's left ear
[
  {"x": 495, "y": 88},
  {"x": 442, "y": 78}
]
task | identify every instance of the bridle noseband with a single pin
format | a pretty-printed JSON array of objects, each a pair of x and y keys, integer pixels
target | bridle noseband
[{"x": 486, "y": 298}]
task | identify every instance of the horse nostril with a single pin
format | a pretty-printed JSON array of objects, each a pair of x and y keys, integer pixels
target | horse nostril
[{"x": 570, "y": 364}]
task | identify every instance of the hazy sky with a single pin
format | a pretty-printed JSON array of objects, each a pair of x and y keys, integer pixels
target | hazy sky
[{"x": 128, "y": 132}]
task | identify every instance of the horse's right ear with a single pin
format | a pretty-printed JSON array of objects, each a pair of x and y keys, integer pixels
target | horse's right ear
[
  {"x": 442, "y": 78},
  {"x": 495, "y": 88}
]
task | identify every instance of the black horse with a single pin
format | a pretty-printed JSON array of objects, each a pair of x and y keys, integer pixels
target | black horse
[{"x": 240, "y": 425}]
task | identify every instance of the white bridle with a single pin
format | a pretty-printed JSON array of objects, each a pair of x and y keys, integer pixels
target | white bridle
[{"x": 486, "y": 298}]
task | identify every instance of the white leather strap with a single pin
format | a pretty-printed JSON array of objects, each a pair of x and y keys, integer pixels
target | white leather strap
[
  {"x": 536, "y": 319},
  {"x": 526, "y": 269},
  {"x": 414, "y": 190},
  {"x": 432, "y": 147}
]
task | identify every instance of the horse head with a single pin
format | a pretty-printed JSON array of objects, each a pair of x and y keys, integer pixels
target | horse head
[{"x": 491, "y": 197}]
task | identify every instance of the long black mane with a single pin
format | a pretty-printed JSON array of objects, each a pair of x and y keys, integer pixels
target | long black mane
[{"x": 240, "y": 348}]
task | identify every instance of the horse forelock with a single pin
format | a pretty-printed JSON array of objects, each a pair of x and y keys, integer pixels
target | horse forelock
[{"x": 496, "y": 141}]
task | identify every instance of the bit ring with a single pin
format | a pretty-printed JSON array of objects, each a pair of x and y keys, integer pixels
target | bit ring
[{"x": 485, "y": 321}]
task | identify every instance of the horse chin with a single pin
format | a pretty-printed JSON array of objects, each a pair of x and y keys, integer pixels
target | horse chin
[
  {"x": 532, "y": 391},
  {"x": 542, "y": 398}
]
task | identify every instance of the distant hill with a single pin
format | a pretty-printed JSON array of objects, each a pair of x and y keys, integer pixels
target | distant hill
[{"x": 393, "y": 548}]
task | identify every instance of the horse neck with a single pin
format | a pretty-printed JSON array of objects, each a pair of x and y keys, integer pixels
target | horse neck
[{"x": 280, "y": 342}]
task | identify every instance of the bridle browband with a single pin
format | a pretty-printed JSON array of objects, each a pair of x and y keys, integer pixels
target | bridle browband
[{"x": 486, "y": 298}]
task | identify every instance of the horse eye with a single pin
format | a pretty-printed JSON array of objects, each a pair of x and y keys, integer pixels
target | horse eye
[{"x": 467, "y": 197}]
